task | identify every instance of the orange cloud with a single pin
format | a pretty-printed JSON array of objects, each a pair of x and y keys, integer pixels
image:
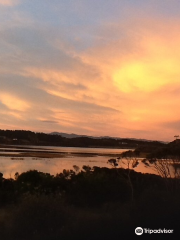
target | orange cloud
[
  {"x": 133, "y": 67},
  {"x": 139, "y": 70},
  {"x": 146, "y": 58},
  {"x": 13, "y": 102}
]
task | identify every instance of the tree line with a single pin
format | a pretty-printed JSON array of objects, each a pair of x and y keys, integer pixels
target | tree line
[{"x": 23, "y": 137}]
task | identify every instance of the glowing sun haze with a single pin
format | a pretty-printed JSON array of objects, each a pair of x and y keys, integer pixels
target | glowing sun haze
[{"x": 91, "y": 67}]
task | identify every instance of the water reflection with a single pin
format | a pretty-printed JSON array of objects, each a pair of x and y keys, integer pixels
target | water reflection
[
  {"x": 96, "y": 157},
  {"x": 53, "y": 166}
]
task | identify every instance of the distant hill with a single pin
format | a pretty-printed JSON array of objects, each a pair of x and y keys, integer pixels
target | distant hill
[
  {"x": 22, "y": 137},
  {"x": 168, "y": 151},
  {"x": 68, "y": 135},
  {"x": 73, "y": 135}
]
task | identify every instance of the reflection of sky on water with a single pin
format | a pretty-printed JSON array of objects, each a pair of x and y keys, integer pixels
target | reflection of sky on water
[
  {"x": 50, "y": 165},
  {"x": 10, "y": 165},
  {"x": 56, "y": 165}
]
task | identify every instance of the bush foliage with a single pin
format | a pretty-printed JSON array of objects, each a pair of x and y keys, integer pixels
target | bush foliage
[{"x": 94, "y": 203}]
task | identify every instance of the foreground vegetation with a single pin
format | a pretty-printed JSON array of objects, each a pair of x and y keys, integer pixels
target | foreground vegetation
[{"x": 94, "y": 203}]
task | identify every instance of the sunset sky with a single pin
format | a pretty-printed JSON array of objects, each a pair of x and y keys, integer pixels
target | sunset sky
[{"x": 94, "y": 67}]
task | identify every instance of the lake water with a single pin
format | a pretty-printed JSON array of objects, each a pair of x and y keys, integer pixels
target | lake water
[{"x": 54, "y": 159}]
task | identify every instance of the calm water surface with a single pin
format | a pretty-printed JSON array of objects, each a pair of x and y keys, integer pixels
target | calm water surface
[{"x": 87, "y": 156}]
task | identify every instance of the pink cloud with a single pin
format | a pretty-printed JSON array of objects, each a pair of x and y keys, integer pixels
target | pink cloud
[{"x": 9, "y": 2}]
